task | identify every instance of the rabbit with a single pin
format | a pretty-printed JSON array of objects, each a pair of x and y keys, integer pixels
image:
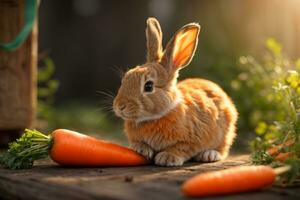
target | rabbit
[{"x": 168, "y": 122}]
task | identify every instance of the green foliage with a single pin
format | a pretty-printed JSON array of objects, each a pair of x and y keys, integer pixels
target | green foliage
[
  {"x": 272, "y": 87},
  {"x": 274, "y": 46},
  {"x": 256, "y": 99},
  {"x": 47, "y": 87},
  {"x": 32, "y": 146}
]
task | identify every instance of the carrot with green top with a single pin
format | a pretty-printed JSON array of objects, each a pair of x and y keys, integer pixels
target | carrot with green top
[
  {"x": 232, "y": 180},
  {"x": 275, "y": 149},
  {"x": 68, "y": 148},
  {"x": 283, "y": 156}
]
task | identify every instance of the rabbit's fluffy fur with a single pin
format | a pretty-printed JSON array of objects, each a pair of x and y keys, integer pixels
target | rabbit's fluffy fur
[{"x": 173, "y": 123}]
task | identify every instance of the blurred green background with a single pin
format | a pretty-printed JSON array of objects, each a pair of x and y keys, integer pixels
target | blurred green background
[{"x": 242, "y": 45}]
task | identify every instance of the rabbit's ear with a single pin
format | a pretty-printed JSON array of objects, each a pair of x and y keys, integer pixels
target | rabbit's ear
[
  {"x": 181, "y": 48},
  {"x": 154, "y": 40}
]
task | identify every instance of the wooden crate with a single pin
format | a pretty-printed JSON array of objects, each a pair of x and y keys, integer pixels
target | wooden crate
[{"x": 17, "y": 72}]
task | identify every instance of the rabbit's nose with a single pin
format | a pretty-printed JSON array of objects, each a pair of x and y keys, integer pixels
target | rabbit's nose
[{"x": 122, "y": 107}]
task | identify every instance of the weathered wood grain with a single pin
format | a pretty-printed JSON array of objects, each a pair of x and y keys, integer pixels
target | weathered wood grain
[
  {"x": 50, "y": 181},
  {"x": 17, "y": 70}
]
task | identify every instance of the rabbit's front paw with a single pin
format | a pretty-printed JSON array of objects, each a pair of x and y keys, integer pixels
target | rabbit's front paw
[
  {"x": 143, "y": 149},
  {"x": 208, "y": 156},
  {"x": 167, "y": 159}
]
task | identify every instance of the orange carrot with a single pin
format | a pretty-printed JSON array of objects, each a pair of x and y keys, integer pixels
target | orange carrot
[
  {"x": 274, "y": 150},
  {"x": 68, "y": 148},
  {"x": 233, "y": 180},
  {"x": 72, "y": 148}
]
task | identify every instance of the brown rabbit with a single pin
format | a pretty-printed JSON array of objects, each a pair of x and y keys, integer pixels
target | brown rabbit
[{"x": 169, "y": 122}]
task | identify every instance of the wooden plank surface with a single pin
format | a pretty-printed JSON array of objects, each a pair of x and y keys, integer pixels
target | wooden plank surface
[{"x": 50, "y": 181}]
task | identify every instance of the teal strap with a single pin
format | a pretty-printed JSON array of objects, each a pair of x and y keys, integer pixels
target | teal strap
[{"x": 30, "y": 13}]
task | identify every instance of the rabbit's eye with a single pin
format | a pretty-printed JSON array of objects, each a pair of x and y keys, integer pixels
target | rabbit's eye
[{"x": 148, "y": 87}]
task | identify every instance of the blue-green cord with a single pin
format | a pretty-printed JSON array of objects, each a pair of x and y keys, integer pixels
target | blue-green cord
[{"x": 30, "y": 14}]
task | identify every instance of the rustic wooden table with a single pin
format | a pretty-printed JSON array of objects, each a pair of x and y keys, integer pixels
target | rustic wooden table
[{"x": 50, "y": 181}]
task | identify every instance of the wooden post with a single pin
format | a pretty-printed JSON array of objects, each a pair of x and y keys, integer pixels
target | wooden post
[{"x": 17, "y": 73}]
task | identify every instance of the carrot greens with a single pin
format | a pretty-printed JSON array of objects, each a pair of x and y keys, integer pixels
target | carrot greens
[{"x": 31, "y": 146}]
